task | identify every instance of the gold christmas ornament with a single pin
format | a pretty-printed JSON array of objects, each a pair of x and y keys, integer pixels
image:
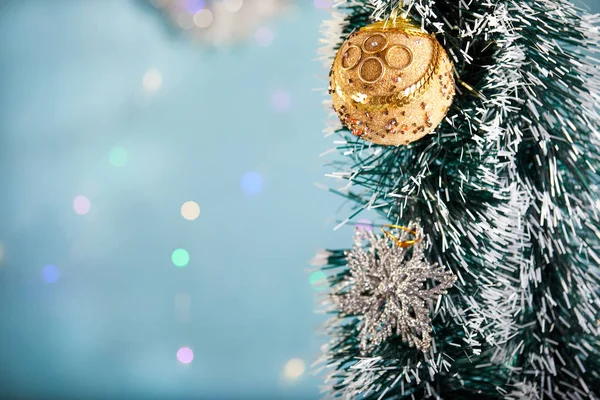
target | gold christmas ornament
[{"x": 391, "y": 82}]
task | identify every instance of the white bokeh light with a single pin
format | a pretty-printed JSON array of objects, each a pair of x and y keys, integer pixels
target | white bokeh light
[
  {"x": 203, "y": 18},
  {"x": 152, "y": 80},
  {"x": 233, "y": 5},
  {"x": 190, "y": 210}
]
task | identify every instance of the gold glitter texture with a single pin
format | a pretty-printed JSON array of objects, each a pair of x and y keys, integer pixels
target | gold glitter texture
[
  {"x": 391, "y": 83},
  {"x": 399, "y": 57},
  {"x": 371, "y": 70}
]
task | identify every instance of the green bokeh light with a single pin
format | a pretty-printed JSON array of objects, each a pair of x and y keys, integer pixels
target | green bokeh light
[
  {"x": 118, "y": 156},
  {"x": 180, "y": 257},
  {"x": 317, "y": 280}
]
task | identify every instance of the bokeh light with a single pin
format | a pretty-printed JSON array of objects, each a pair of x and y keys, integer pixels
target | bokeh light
[
  {"x": 51, "y": 273},
  {"x": 180, "y": 257},
  {"x": 252, "y": 183},
  {"x": 190, "y": 210},
  {"x": 185, "y": 20},
  {"x": 263, "y": 36},
  {"x": 183, "y": 302},
  {"x": 203, "y": 18},
  {"x": 233, "y": 5},
  {"x": 280, "y": 100},
  {"x": 294, "y": 369},
  {"x": 317, "y": 280},
  {"x": 185, "y": 355},
  {"x": 81, "y": 205},
  {"x": 193, "y": 6},
  {"x": 364, "y": 225},
  {"x": 118, "y": 156},
  {"x": 323, "y": 3},
  {"x": 152, "y": 80}
]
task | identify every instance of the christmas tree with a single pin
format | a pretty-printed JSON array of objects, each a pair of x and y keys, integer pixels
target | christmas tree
[{"x": 490, "y": 288}]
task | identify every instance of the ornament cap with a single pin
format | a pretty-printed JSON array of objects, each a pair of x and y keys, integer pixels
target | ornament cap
[{"x": 395, "y": 22}]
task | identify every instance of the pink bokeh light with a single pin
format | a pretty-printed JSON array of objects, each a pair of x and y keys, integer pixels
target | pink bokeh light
[
  {"x": 185, "y": 355},
  {"x": 323, "y": 3},
  {"x": 81, "y": 205}
]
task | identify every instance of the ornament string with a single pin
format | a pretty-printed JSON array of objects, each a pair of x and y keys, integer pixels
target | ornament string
[{"x": 402, "y": 243}]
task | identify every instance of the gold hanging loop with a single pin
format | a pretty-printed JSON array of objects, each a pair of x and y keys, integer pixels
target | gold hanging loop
[{"x": 402, "y": 243}]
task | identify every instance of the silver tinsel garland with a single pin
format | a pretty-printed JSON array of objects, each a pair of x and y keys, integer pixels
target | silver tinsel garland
[{"x": 391, "y": 290}]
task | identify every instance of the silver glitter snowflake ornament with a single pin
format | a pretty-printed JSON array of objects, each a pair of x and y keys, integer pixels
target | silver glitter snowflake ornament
[{"x": 390, "y": 289}]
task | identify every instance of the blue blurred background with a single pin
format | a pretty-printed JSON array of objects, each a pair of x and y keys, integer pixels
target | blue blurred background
[{"x": 158, "y": 207}]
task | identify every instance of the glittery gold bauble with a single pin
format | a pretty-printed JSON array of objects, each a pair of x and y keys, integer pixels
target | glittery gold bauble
[{"x": 391, "y": 82}]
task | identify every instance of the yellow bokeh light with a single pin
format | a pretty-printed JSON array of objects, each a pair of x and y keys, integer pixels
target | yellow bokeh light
[
  {"x": 294, "y": 369},
  {"x": 190, "y": 210}
]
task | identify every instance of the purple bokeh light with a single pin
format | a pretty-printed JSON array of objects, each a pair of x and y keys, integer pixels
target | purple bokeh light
[
  {"x": 280, "y": 100},
  {"x": 323, "y": 3},
  {"x": 193, "y": 6},
  {"x": 185, "y": 355}
]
